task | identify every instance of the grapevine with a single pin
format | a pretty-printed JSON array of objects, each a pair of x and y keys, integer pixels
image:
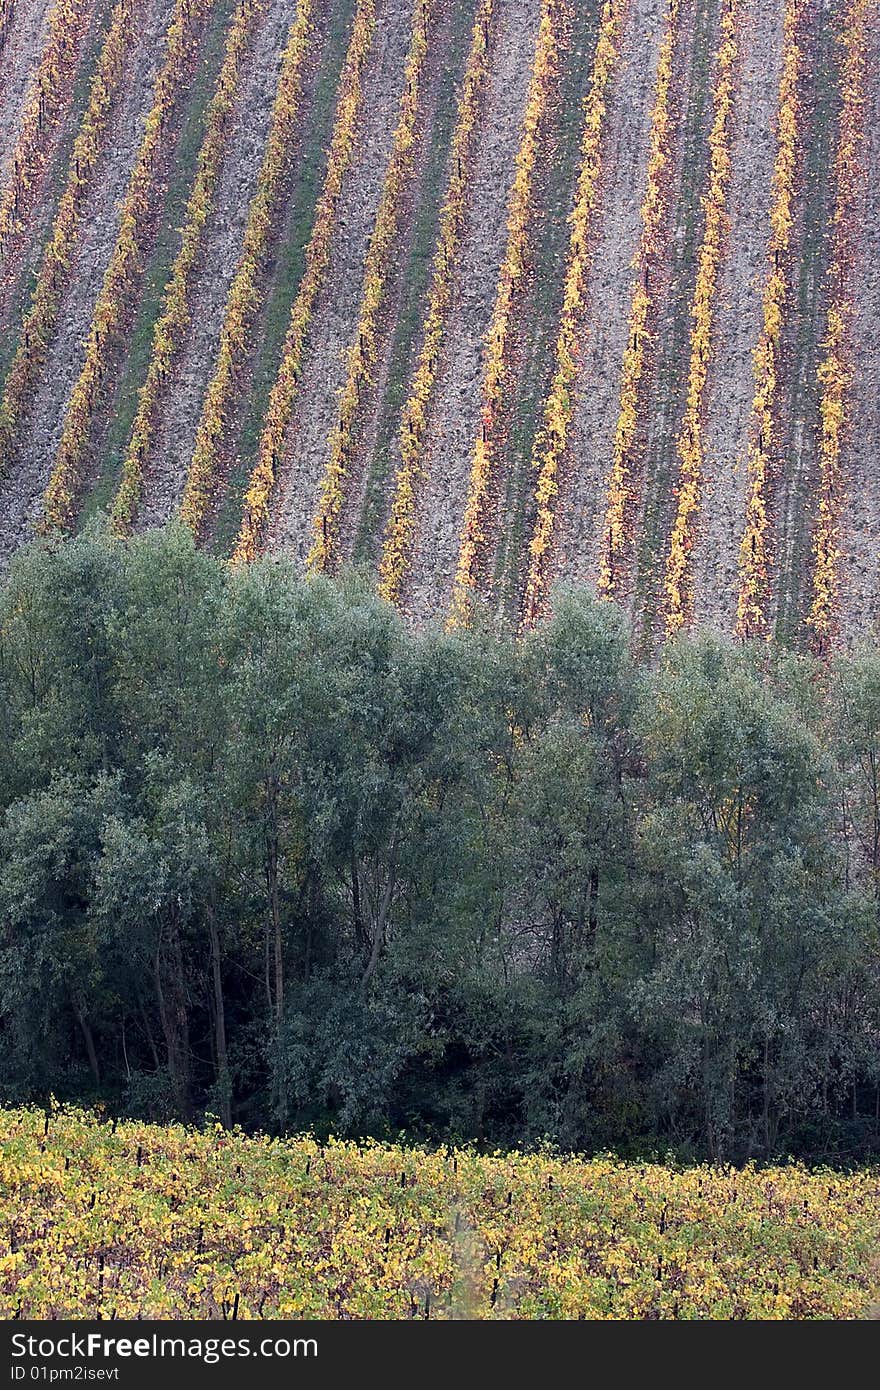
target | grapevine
[
  {"x": 41, "y": 318},
  {"x": 551, "y": 441},
  {"x": 836, "y": 368},
  {"x": 474, "y": 537},
  {"x": 636, "y": 355},
  {"x": 677, "y": 585},
  {"x": 414, "y": 417},
  {"x": 172, "y": 324},
  {"x": 754, "y": 558},
  {"x": 48, "y": 95},
  {"x": 133, "y": 1220},
  {"x": 363, "y": 352},
  {"x": 122, "y": 273},
  {"x": 244, "y": 292},
  {"x": 263, "y": 479}
]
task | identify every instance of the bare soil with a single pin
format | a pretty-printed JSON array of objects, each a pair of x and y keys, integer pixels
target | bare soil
[
  {"x": 36, "y": 207},
  {"x": 456, "y": 409},
  {"x": 373, "y": 470},
  {"x": 18, "y": 63},
  {"x": 510, "y": 513},
  {"x": 182, "y": 403},
  {"x": 860, "y": 530},
  {"x": 456, "y": 405},
  {"x": 336, "y": 313},
  {"x": 21, "y": 493},
  {"x": 24, "y": 254},
  {"x": 795, "y": 488},
  {"x": 582, "y": 500},
  {"x": 738, "y": 317},
  {"x": 665, "y": 386}
]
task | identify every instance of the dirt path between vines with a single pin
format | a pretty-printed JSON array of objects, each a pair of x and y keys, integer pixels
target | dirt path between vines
[
  {"x": 795, "y": 489},
  {"x": 617, "y": 229},
  {"x": 442, "y": 58},
  {"x": 738, "y": 318},
  {"x": 182, "y": 402},
  {"x": 336, "y": 312},
  {"x": 25, "y": 253},
  {"x": 663, "y": 397},
  {"x": 860, "y": 529},
  {"x": 20, "y": 60},
  {"x": 22, "y": 491},
  {"x": 456, "y": 409}
]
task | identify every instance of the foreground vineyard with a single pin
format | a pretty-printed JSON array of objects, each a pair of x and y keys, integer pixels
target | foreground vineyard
[
  {"x": 483, "y": 296},
  {"x": 139, "y": 1221}
]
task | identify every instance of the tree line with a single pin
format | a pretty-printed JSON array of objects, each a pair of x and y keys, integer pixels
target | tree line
[{"x": 267, "y": 854}]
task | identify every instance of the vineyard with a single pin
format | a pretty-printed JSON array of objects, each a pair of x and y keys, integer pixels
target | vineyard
[
  {"x": 142, "y": 1221},
  {"x": 482, "y": 297}
]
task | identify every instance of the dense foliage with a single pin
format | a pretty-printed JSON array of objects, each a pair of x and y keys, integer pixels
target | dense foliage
[
  {"x": 166, "y": 1222},
  {"x": 267, "y": 854}
]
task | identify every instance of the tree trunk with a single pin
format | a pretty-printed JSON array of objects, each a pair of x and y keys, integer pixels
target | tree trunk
[
  {"x": 172, "y": 1013},
  {"x": 88, "y": 1038},
  {"x": 223, "y": 1078},
  {"x": 273, "y": 891},
  {"x": 148, "y": 1033},
  {"x": 378, "y": 934}
]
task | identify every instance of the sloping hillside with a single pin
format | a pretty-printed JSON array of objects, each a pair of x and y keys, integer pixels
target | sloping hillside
[{"x": 482, "y": 295}]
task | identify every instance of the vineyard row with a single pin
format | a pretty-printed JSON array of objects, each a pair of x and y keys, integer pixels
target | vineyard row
[
  {"x": 41, "y": 319},
  {"x": 264, "y": 477},
  {"x": 397, "y": 550},
  {"x": 244, "y": 293},
  {"x": 551, "y": 445},
  {"x": 475, "y": 528},
  {"x": 47, "y": 98},
  {"x": 123, "y": 272},
  {"x": 173, "y": 321},
  {"x": 754, "y": 567},
  {"x": 551, "y": 442},
  {"x": 836, "y": 368},
  {"x": 620, "y": 491},
  {"x": 363, "y": 351}
]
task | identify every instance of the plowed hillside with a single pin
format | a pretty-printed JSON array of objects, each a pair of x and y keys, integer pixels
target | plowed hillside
[{"x": 481, "y": 295}]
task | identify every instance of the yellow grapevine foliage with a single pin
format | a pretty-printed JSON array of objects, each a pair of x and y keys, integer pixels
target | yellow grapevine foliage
[
  {"x": 362, "y": 354},
  {"x": 690, "y": 447},
  {"x": 551, "y": 441},
  {"x": 639, "y": 340},
  {"x": 42, "y": 316},
  {"x": 754, "y": 558},
  {"x": 474, "y": 535},
  {"x": 138, "y": 1220},
  {"x": 48, "y": 94},
  {"x": 243, "y": 298},
  {"x": 261, "y": 487},
  {"x": 835, "y": 369},
  {"x": 60, "y": 499},
  {"x": 414, "y": 417},
  {"x": 173, "y": 321}
]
